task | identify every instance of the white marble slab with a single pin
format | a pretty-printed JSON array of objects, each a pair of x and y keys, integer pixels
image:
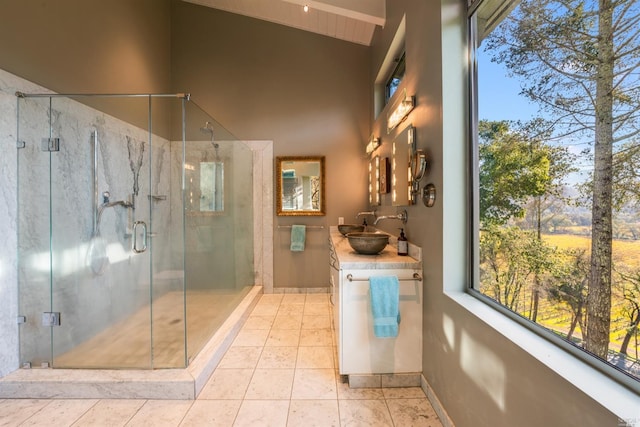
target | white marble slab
[
  {"x": 387, "y": 259},
  {"x": 130, "y": 384}
]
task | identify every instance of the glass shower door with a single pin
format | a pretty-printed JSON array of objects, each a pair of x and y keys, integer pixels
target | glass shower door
[
  {"x": 85, "y": 275},
  {"x": 100, "y": 277}
]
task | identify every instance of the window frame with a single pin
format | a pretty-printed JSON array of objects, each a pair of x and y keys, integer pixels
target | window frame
[
  {"x": 609, "y": 370},
  {"x": 400, "y": 64}
]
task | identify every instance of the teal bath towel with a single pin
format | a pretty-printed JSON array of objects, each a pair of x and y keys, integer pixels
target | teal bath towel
[
  {"x": 385, "y": 302},
  {"x": 298, "y": 233}
]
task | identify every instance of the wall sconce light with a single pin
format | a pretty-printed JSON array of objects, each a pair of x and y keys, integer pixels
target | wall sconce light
[
  {"x": 373, "y": 144},
  {"x": 399, "y": 110},
  {"x": 374, "y": 181}
]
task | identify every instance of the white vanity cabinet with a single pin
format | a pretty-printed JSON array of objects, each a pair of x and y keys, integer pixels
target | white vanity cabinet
[{"x": 359, "y": 350}]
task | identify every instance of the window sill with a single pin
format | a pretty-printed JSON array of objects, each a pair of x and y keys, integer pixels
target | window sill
[{"x": 613, "y": 396}]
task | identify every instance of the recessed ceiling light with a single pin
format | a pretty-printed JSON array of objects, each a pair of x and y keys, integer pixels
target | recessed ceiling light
[{"x": 305, "y": 8}]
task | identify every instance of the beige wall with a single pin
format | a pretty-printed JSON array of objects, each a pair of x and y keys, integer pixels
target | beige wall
[
  {"x": 92, "y": 46},
  {"x": 73, "y": 46},
  {"x": 503, "y": 385},
  {"x": 308, "y": 93},
  {"x": 312, "y": 95}
]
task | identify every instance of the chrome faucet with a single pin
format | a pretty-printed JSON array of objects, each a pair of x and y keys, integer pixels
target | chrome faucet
[
  {"x": 372, "y": 213},
  {"x": 402, "y": 216}
]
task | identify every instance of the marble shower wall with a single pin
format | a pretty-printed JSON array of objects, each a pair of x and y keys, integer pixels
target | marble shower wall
[
  {"x": 219, "y": 246},
  {"x": 9, "y": 84},
  {"x": 88, "y": 302}
]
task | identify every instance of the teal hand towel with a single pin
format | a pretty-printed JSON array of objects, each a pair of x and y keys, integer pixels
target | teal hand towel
[
  {"x": 298, "y": 233},
  {"x": 385, "y": 305}
]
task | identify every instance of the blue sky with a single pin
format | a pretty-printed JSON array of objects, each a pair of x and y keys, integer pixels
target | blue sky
[{"x": 499, "y": 99}]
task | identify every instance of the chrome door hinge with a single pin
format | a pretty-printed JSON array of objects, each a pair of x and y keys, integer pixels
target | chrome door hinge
[
  {"x": 50, "y": 144},
  {"x": 51, "y": 318}
]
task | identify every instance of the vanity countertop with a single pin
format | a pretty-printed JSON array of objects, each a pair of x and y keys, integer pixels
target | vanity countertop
[{"x": 387, "y": 259}]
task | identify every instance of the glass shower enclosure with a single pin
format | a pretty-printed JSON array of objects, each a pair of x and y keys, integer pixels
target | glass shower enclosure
[{"x": 135, "y": 229}]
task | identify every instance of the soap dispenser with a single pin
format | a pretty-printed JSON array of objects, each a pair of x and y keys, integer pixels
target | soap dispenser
[{"x": 403, "y": 244}]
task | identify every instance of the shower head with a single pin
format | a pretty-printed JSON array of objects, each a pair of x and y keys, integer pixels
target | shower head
[{"x": 207, "y": 128}]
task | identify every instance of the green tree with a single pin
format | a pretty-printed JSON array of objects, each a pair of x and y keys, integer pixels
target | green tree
[
  {"x": 626, "y": 179},
  {"x": 513, "y": 169},
  {"x": 630, "y": 286},
  {"x": 569, "y": 287},
  {"x": 579, "y": 60},
  {"x": 519, "y": 168},
  {"x": 510, "y": 258}
]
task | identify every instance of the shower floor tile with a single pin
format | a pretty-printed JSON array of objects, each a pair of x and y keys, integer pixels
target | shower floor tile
[{"x": 127, "y": 343}]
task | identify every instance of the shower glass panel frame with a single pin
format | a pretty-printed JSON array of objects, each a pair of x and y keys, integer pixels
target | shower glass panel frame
[{"x": 115, "y": 272}]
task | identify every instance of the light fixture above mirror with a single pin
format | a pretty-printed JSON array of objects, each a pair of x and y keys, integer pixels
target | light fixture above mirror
[
  {"x": 373, "y": 144},
  {"x": 399, "y": 110}
]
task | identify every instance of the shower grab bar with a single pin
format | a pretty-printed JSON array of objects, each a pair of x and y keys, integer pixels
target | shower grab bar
[
  {"x": 313, "y": 227},
  {"x": 134, "y": 243},
  {"x": 96, "y": 204},
  {"x": 416, "y": 276}
]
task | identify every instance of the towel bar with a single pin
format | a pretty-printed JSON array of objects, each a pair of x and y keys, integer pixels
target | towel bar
[
  {"x": 416, "y": 276},
  {"x": 313, "y": 227}
]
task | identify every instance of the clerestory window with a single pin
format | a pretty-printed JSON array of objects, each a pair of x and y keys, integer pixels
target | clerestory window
[
  {"x": 395, "y": 78},
  {"x": 556, "y": 144}
]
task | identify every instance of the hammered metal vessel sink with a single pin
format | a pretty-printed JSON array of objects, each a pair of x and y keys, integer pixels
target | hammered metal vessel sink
[
  {"x": 368, "y": 243},
  {"x": 344, "y": 229}
]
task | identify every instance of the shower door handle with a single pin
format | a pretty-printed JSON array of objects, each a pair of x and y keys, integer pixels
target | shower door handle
[{"x": 134, "y": 243}]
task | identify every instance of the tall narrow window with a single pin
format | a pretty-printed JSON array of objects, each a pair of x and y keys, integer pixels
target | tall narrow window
[
  {"x": 556, "y": 127},
  {"x": 395, "y": 78}
]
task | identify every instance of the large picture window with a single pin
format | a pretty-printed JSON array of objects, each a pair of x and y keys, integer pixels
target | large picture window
[{"x": 556, "y": 140}]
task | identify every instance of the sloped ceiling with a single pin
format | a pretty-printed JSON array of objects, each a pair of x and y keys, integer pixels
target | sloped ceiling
[{"x": 350, "y": 20}]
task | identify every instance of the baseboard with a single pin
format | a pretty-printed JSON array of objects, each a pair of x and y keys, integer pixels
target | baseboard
[
  {"x": 301, "y": 290},
  {"x": 435, "y": 403}
]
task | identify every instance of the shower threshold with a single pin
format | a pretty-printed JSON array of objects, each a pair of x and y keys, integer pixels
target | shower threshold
[{"x": 131, "y": 384}]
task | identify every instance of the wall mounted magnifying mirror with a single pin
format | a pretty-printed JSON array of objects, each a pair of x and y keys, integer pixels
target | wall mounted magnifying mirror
[
  {"x": 300, "y": 188},
  {"x": 417, "y": 168}
]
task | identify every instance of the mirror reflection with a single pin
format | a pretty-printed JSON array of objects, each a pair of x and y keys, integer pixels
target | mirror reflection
[
  {"x": 205, "y": 187},
  {"x": 211, "y": 186},
  {"x": 300, "y": 185}
]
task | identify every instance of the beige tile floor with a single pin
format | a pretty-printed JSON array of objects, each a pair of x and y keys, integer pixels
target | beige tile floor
[{"x": 279, "y": 371}]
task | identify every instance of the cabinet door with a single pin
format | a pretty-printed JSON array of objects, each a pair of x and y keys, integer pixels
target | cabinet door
[
  {"x": 335, "y": 297},
  {"x": 361, "y": 351}
]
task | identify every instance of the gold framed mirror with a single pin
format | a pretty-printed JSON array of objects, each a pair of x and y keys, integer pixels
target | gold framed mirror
[{"x": 300, "y": 186}]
